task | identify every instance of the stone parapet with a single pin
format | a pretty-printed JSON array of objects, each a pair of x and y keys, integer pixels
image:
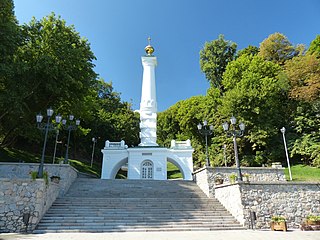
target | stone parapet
[
  {"x": 66, "y": 173},
  {"x": 205, "y": 177}
]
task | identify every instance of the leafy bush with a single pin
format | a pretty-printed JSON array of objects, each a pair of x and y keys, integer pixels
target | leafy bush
[
  {"x": 313, "y": 218},
  {"x": 278, "y": 219}
]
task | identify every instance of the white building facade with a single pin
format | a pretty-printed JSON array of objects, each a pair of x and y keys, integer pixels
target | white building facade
[{"x": 148, "y": 160}]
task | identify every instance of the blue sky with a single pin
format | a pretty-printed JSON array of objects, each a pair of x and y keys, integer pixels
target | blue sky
[{"x": 118, "y": 32}]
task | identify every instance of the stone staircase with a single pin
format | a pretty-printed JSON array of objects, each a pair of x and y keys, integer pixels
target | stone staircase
[{"x": 95, "y": 205}]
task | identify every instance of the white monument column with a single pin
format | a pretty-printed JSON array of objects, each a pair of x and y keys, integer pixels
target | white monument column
[{"x": 148, "y": 104}]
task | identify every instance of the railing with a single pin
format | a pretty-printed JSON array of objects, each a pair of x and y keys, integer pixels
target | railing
[
  {"x": 181, "y": 144},
  {"x": 115, "y": 145}
]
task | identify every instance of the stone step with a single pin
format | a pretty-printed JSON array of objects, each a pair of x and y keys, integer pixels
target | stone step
[
  {"x": 93, "y": 205},
  {"x": 159, "y": 229},
  {"x": 175, "y": 205},
  {"x": 191, "y": 222},
  {"x": 135, "y": 220},
  {"x": 110, "y": 226},
  {"x": 136, "y": 216},
  {"x": 136, "y": 212},
  {"x": 137, "y": 200}
]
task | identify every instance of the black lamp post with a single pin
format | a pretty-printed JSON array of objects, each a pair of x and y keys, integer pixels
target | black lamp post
[
  {"x": 206, "y": 131},
  {"x": 46, "y": 127},
  {"x": 72, "y": 126},
  {"x": 55, "y": 146},
  {"x": 235, "y": 133},
  {"x": 94, "y": 140}
]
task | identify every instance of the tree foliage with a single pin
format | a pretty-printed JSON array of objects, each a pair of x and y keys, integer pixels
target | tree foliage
[
  {"x": 214, "y": 57},
  {"x": 51, "y": 65},
  {"x": 9, "y": 33},
  {"x": 306, "y": 143},
  {"x": 277, "y": 48},
  {"x": 256, "y": 93},
  {"x": 268, "y": 88},
  {"x": 304, "y": 75},
  {"x": 314, "y": 48},
  {"x": 250, "y": 50},
  {"x": 9, "y": 42}
]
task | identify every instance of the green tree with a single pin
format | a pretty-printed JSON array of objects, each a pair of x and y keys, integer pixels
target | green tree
[
  {"x": 9, "y": 33},
  {"x": 256, "y": 93},
  {"x": 305, "y": 143},
  {"x": 250, "y": 50},
  {"x": 9, "y": 41},
  {"x": 304, "y": 75},
  {"x": 314, "y": 48},
  {"x": 180, "y": 122},
  {"x": 277, "y": 48},
  {"x": 53, "y": 67},
  {"x": 115, "y": 119},
  {"x": 214, "y": 57}
]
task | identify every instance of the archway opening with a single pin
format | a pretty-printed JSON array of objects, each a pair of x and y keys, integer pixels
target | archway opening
[
  {"x": 173, "y": 171},
  {"x": 122, "y": 172}
]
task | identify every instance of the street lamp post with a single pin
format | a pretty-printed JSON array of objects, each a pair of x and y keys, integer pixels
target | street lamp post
[
  {"x": 224, "y": 154},
  {"x": 46, "y": 127},
  {"x": 206, "y": 131},
  {"x": 283, "y": 131},
  {"x": 235, "y": 133},
  {"x": 70, "y": 128},
  {"x": 55, "y": 146},
  {"x": 94, "y": 140}
]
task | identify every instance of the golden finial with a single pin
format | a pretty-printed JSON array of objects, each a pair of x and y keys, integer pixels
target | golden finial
[{"x": 149, "y": 49}]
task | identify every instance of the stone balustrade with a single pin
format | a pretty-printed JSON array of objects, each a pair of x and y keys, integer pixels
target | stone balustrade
[
  {"x": 115, "y": 145},
  {"x": 180, "y": 144}
]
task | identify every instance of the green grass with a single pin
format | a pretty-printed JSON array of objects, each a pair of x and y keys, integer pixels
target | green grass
[
  {"x": 303, "y": 173},
  {"x": 173, "y": 172},
  {"x": 85, "y": 168},
  {"x": 14, "y": 155}
]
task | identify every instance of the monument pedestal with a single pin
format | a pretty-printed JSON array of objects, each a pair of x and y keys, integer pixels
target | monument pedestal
[{"x": 146, "y": 162}]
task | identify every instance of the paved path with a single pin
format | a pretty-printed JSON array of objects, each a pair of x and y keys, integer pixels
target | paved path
[{"x": 212, "y": 235}]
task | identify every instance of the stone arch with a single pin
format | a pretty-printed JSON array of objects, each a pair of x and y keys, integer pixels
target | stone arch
[
  {"x": 176, "y": 162},
  {"x": 117, "y": 166}
]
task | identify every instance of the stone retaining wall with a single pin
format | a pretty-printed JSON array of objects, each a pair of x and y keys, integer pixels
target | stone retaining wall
[
  {"x": 205, "y": 177},
  {"x": 295, "y": 201},
  {"x": 66, "y": 173},
  {"x": 19, "y": 194},
  {"x": 267, "y": 194}
]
